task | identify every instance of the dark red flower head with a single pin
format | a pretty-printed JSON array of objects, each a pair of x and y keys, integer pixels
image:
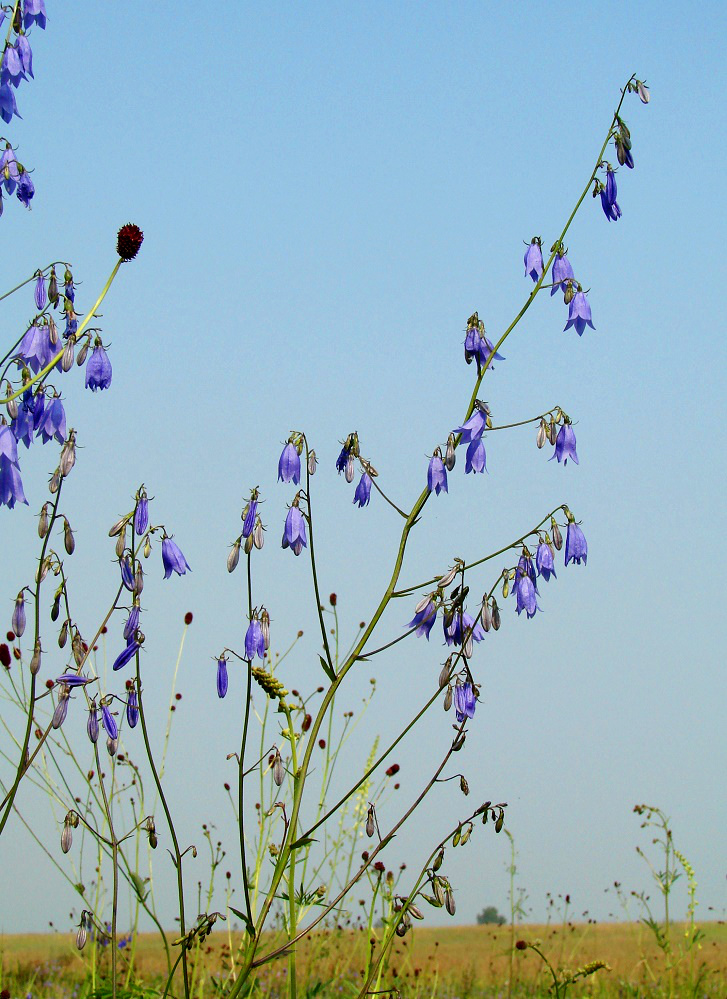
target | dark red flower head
[
  {"x": 393, "y": 769},
  {"x": 129, "y": 241}
]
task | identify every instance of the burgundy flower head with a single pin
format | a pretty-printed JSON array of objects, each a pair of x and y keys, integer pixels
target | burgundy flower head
[{"x": 129, "y": 241}]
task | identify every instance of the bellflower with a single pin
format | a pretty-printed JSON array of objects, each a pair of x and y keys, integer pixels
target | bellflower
[
  {"x": 127, "y": 655},
  {"x": 576, "y": 546},
  {"x": 254, "y": 640},
  {"x": 34, "y": 13},
  {"x": 40, "y": 293},
  {"x": 36, "y": 349},
  {"x": 473, "y": 429},
  {"x": 141, "y": 515},
  {"x": 464, "y": 701},
  {"x": 12, "y": 71},
  {"x": 544, "y": 561},
  {"x": 8, "y": 444},
  {"x": 579, "y": 314},
  {"x": 132, "y": 623},
  {"x": 608, "y": 198},
  {"x": 73, "y": 680},
  {"x": 475, "y": 459},
  {"x": 92, "y": 723},
  {"x": 436, "y": 474},
  {"x": 478, "y": 347},
  {"x": 565, "y": 444},
  {"x": 26, "y": 189},
  {"x": 8, "y": 107},
  {"x": 289, "y": 464},
  {"x": 294, "y": 536},
  {"x": 53, "y": 423},
  {"x": 561, "y": 272},
  {"x": 424, "y": 619},
  {"x": 11, "y": 485},
  {"x": 250, "y": 513},
  {"x": 534, "y": 259},
  {"x": 109, "y": 722},
  {"x": 222, "y": 677},
  {"x": 132, "y": 708},
  {"x": 25, "y": 54},
  {"x": 98, "y": 369},
  {"x": 9, "y": 172},
  {"x": 363, "y": 490},
  {"x": 19, "y": 618},
  {"x": 524, "y": 590},
  {"x": 458, "y": 626},
  {"x": 23, "y": 426},
  {"x": 173, "y": 559}
]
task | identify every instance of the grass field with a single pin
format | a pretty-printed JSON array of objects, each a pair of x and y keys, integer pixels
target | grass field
[{"x": 464, "y": 962}]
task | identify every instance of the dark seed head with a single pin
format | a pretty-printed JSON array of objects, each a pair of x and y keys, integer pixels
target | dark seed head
[{"x": 129, "y": 240}]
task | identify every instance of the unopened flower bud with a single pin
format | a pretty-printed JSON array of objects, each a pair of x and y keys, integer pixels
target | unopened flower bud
[
  {"x": 450, "y": 456},
  {"x": 643, "y": 91},
  {"x": 350, "y": 469},
  {"x": 153, "y": 841},
  {"x": 495, "y": 617},
  {"x": 448, "y": 577},
  {"x": 52, "y": 331},
  {"x": 401, "y": 929},
  {"x": 19, "y": 614},
  {"x": 52, "y": 287},
  {"x": 81, "y": 935},
  {"x": 278, "y": 770},
  {"x": 468, "y": 646},
  {"x": 147, "y": 547},
  {"x": 68, "y": 539},
  {"x": 35, "y": 659},
  {"x": 80, "y": 360},
  {"x": 63, "y": 635},
  {"x": 61, "y": 710},
  {"x": 438, "y": 859},
  {"x": 370, "y": 824},
  {"x": 466, "y": 834},
  {"x": 439, "y": 891},
  {"x": 66, "y": 836},
  {"x": 138, "y": 580},
  {"x": 248, "y": 544},
  {"x": 312, "y": 463},
  {"x": 506, "y": 588},
  {"x": 68, "y": 456},
  {"x": 121, "y": 544},
  {"x": 444, "y": 675},
  {"x": 56, "y": 608},
  {"x": 77, "y": 648},
  {"x": 542, "y": 434},
  {"x": 552, "y": 431},
  {"x": 464, "y": 786},
  {"x": 68, "y": 353},
  {"x": 55, "y": 482},
  {"x": 112, "y": 745},
  {"x": 92, "y": 723},
  {"x": 43, "y": 521},
  {"x": 557, "y": 536},
  {"x": 448, "y": 698},
  {"x": 569, "y": 293},
  {"x": 423, "y": 603},
  {"x": 449, "y": 902},
  {"x": 118, "y": 527},
  {"x": 258, "y": 534},
  {"x": 12, "y": 407},
  {"x": 234, "y": 557}
]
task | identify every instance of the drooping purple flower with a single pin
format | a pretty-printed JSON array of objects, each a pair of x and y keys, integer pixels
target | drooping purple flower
[
  {"x": 12, "y": 71},
  {"x": 127, "y": 572},
  {"x": 363, "y": 490},
  {"x": 473, "y": 429},
  {"x": 8, "y": 444},
  {"x": 92, "y": 723},
  {"x": 249, "y": 515},
  {"x": 544, "y": 560},
  {"x": 465, "y": 701},
  {"x": 565, "y": 444},
  {"x": 579, "y": 313},
  {"x": 294, "y": 536},
  {"x": 8, "y": 107},
  {"x": 436, "y": 474},
  {"x": 561, "y": 272},
  {"x": 141, "y": 514},
  {"x": 40, "y": 292},
  {"x": 254, "y": 639},
  {"x": 534, "y": 259},
  {"x": 26, "y": 189},
  {"x": 73, "y": 680},
  {"x": 11, "y": 485},
  {"x": 23, "y": 425},
  {"x": 132, "y": 623},
  {"x": 289, "y": 464},
  {"x": 478, "y": 347},
  {"x": 36, "y": 349},
  {"x": 25, "y": 54},
  {"x": 9, "y": 172},
  {"x": 222, "y": 677},
  {"x": 608, "y": 197},
  {"x": 19, "y": 618},
  {"x": 98, "y": 369},
  {"x": 34, "y": 13},
  {"x": 61, "y": 709},
  {"x": 53, "y": 423},
  {"x": 459, "y": 626},
  {"x": 173, "y": 559},
  {"x": 109, "y": 722},
  {"x": 132, "y": 708},
  {"x": 576, "y": 546},
  {"x": 524, "y": 591},
  {"x": 132, "y": 647},
  {"x": 476, "y": 458},
  {"x": 423, "y": 620}
]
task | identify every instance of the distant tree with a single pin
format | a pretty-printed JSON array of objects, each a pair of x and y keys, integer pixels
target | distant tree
[{"x": 490, "y": 915}]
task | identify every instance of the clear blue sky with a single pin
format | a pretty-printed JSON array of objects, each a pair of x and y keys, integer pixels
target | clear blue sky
[{"x": 327, "y": 192}]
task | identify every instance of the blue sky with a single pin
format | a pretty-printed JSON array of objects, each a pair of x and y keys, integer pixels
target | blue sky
[{"x": 327, "y": 192}]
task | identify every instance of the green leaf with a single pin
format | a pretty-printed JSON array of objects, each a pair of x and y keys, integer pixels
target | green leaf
[
  {"x": 330, "y": 673},
  {"x": 303, "y": 841},
  {"x": 246, "y": 920}
]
